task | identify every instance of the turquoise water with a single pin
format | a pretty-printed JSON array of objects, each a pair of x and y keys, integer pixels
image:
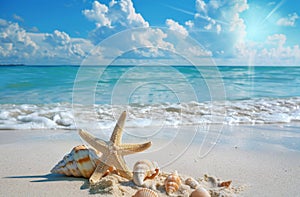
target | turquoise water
[
  {"x": 53, "y": 84},
  {"x": 35, "y": 85},
  {"x": 38, "y": 97}
]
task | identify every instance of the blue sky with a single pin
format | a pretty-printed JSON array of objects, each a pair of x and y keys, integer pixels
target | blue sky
[{"x": 232, "y": 32}]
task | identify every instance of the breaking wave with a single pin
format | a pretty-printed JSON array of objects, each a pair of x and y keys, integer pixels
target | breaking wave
[{"x": 68, "y": 116}]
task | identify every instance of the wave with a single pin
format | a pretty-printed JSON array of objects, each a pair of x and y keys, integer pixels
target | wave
[{"x": 68, "y": 116}]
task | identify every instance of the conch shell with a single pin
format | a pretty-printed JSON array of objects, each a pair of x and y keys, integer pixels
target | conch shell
[
  {"x": 145, "y": 192},
  {"x": 144, "y": 170},
  {"x": 192, "y": 183},
  {"x": 80, "y": 162},
  {"x": 172, "y": 183}
]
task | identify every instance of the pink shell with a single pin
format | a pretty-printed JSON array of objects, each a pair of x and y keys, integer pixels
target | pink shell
[
  {"x": 145, "y": 192},
  {"x": 200, "y": 192}
]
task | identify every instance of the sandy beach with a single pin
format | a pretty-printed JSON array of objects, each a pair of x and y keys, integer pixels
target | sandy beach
[
  {"x": 257, "y": 163},
  {"x": 206, "y": 91}
]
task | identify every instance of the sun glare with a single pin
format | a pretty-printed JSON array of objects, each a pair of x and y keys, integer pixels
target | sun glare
[{"x": 259, "y": 21}]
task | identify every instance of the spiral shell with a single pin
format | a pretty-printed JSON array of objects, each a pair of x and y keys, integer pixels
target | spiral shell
[
  {"x": 200, "y": 192},
  {"x": 192, "y": 182},
  {"x": 145, "y": 192},
  {"x": 172, "y": 183},
  {"x": 144, "y": 170},
  {"x": 80, "y": 162}
]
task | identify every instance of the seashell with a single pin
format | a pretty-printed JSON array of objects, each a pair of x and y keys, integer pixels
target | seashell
[
  {"x": 192, "y": 183},
  {"x": 200, "y": 192},
  {"x": 144, "y": 170},
  {"x": 145, "y": 192},
  {"x": 224, "y": 184},
  {"x": 211, "y": 180},
  {"x": 172, "y": 183},
  {"x": 80, "y": 162}
]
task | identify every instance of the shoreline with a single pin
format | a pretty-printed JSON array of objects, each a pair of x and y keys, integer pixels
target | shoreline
[{"x": 264, "y": 164}]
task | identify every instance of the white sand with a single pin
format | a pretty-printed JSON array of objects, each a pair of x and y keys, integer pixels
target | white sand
[{"x": 263, "y": 160}]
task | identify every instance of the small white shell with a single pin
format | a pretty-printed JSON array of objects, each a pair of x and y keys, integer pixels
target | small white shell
[
  {"x": 80, "y": 162},
  {"x": 145, "y": 192},
  {"x": 192, "y": 182},
  {"x": 211, "y": 180},
  {"x": 172, "y": 183},
  {"x": 200, "y": 192},
  {"x": 144, "y": 170}
]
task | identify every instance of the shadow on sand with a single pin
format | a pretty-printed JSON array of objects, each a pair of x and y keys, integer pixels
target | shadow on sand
[{"x": 50, "y": 178}]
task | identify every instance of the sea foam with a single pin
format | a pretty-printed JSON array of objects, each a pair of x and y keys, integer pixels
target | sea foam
[{"x": 68, "y": 116}]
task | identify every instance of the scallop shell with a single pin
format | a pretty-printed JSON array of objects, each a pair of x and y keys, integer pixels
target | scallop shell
[
  {"x": 172, "y": 183},
  {"x": 80, "y": 162},
  {"x": 192, "y": 182},
  {"x": 144, "y": 170},
  {"x": 200, "y": 192},
  {"x": 145, "y": 192}
]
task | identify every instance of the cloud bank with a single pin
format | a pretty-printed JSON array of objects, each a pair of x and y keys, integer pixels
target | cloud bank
[{"x": 19, "y": 46}]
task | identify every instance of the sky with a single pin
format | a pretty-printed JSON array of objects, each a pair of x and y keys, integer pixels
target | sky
[{"x": 229, "y": 32}]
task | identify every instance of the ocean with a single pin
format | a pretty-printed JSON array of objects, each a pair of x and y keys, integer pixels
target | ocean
[{"x": 64, "y": 97}]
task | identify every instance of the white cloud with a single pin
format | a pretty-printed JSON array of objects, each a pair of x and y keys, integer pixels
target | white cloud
[
  {"x": 151, "y": 37},
  {"x": 175, "y": 26},
  {"x": 148, "y": 42},
  {"x": 98, "y": 14},
  {"x": 151, "y": 46},
  {"x": 189, "y": 23},
  {"x": 288, "y": 21},
  {"x": 18, "y": 18},
  {"x": 215, "y": 4},
  {"x": 14, "y": 42},
  {"x": 270, "y": 52},
  {"x": 115, "y": 17},
  {"x": 57, "y": 38},
  {"x": 19, "y": 46},
  {"x": 59, "y": 46},
  {"x": 221, "y": 15},
  {"x": 276, "y": 39},
  {"x": 33, "y": 29},
  {"x": 278, "y": 50},
  {"x": 201, "y": 6},
  {"x": 3, "y": 22},
  {"x": 197, "y": 51},
  {"x": 219, "y": 26},
  {"x": 208, "y": 26}
]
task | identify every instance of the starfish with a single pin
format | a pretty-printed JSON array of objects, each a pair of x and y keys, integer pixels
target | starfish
[{"x": 112, "y": 151}]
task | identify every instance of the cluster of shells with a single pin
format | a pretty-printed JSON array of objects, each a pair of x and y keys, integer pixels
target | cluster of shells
[{"x": 148, "y": 180}]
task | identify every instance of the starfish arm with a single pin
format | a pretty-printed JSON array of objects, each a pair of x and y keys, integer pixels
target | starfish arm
[
  {"x": 101, "y": 170},
  {"x": 116, "y": 136},
  {"x": 97, "y": 143},
  {"x": 127, "y": 149},
  {"x": 121, "y": 167}
]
